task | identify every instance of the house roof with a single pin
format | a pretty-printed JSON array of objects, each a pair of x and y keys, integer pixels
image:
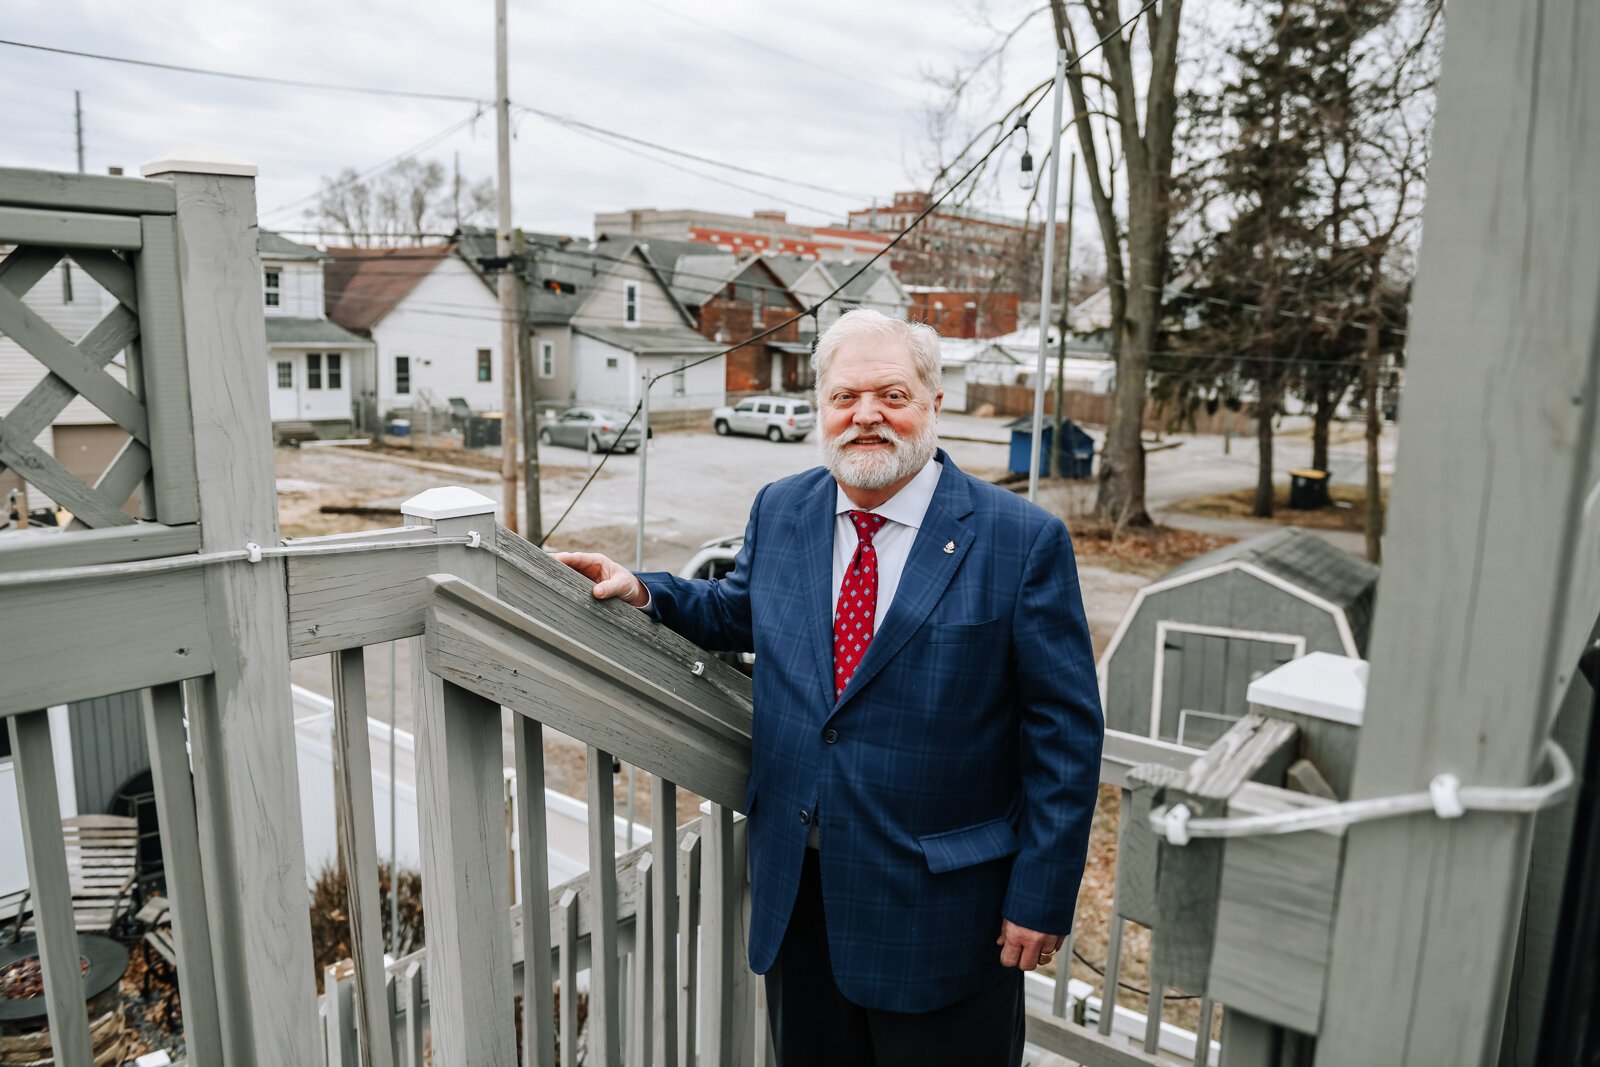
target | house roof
[
  {"x": 650, "y": 340},
  {"x": 1309, "y": 562},
  {"x": 287, "y": 330},
  {"x": 698, "y": 278},
  {"x": 275, "y": 246},
  {"x": 362, "y": 285},
  {"x": 790, "y": 267},
  {"x": 571, "y": 261}
]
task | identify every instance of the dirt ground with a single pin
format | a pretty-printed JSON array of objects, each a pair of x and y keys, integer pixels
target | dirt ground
[{"x": 1346, "y": 512}]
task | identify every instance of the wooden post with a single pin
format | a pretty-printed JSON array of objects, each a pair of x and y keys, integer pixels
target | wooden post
[
  {"x": 533, "y": 856},
  {"x": 242, "y": 727},
  {"x": 465, "y": 869},
  {"x": 1491, "y": 564}
]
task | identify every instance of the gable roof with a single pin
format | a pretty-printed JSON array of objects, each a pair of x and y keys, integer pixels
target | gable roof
[
  {"x": 362, "y": 285},
  {"x": 276, "y": 246},
  {"x": 790, "y": 267},
  {"x": 287, "y": 330},
  {"x": 651, "y": 340}
]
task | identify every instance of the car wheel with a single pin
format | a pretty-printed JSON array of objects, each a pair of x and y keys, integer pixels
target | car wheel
[
  {"x": 545, "y": 438},
  {"x": 631, "y": 449},
  {"x": 774, "y": 434},
  {"x": 722, "y": 427}
]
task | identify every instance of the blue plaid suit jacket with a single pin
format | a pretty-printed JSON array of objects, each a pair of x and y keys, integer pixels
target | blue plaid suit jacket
[{"x": 961, "y": 778}]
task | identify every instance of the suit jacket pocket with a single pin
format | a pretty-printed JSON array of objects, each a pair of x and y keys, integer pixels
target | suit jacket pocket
[
  {"x": 969, "y": 846},
  {"x": 964, "y": 634}
]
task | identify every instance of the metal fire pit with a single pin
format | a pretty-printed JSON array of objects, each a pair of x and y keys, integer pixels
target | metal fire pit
[{"x": 24, "y": 1020}]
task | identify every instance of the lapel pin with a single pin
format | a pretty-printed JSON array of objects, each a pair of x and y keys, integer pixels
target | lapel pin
[{"x": 949, "y": 548}]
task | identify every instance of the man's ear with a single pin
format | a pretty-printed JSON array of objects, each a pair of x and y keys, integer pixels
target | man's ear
[{"x": 938, "y": 398}]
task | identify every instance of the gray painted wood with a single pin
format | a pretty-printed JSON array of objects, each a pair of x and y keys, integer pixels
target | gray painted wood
[
  {"x": 162, "y": 709},
  {"x": 20, "y": 187},
  {"x": 641, "y": 1021},
  {"x": 85, "y": 547},
  {"x": 1158, "y": 990},
  {"x": 605, "y": 1020},
  {"x": 41, "y": 669},
  {"x": 125, "y": 474},
  {"x": 718, "y": 926},
  {"x": 569, "y": 978},
  {"x": 1108, "y": 986},
  {"x": 68, "y": 229},
  {"x": 749, "y": 1018},
  {"x": 664, "y": 871},
  {"x": 1469, "y": 654},
  {"x": 411, "y": 998},
  {"x": 340, "y": 1002},
  {"x": 113, "y": 274},
  {"x": 533, "y": 854},
  {"x": 29, "y": 329},
  {"x": 1249, "y": 1042},
  {"x": 39, "y": 467},
  {"x": 1083, "y": 1045},
  {"x": 689, "y": 941},
  {"x": 568, "y": 679},
  {"x": 51, "y": 395},
  {"x": 23, "y": 268},
  {"x": 243, "y": 730},
  {"x": 348, "y": 601},
  {"x": 40, "y": 811},
  {"x": 358, "y": 844},
  {"x": 1203, "y": 1026},
  {"x": 163, "y": 366}
]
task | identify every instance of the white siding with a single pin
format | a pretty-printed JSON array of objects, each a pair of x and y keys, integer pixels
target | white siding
[
  {"x": 597, "y": 383},
  {"x": 704, "y": 387},
  {"x": 605, "y": 302},
  {"x": 299, "y": 288},
  {"x": 441, "y": 324},
  {"x": 300, "y": 402},
  {"x": 20, "y": 372}
]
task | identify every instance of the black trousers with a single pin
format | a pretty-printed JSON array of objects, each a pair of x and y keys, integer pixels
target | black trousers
[{"x": 813, "y": 1025}]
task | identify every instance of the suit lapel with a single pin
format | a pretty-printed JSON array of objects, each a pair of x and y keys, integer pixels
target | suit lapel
[{"x": 927, "y": 574}]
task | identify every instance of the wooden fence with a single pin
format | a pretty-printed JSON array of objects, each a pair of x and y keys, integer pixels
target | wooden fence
[{"x": 1094, "y": 409}]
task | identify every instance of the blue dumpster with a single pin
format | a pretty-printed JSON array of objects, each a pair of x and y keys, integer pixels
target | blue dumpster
[{"x": 1077, "y": 447}]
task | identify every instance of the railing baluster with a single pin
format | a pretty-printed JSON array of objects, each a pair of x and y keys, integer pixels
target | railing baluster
[
  {"x": 604, "y": 1010},
  {"x": 34, "y": 764},
  {"x": 718, "y": 920},
  {"x": 533, "y": 858},
  {"x": 180, "y": 848},
  {"x": 689, "y": 940},
  {"x": 358, "y": 838},
  {"x": 640, "y": 1036},
  {"x": 1202, "y": 1034},
  {"x": 1058, "y": 999},
  {"x": 1108, "y": 989},
  {"x": 338, "y": 995},
  {"x": 411, "y": 994},
  {"x": 664, "y": 927},
  {"x": 569, "y": 979},
  {"x": 1158, "y": 993}
]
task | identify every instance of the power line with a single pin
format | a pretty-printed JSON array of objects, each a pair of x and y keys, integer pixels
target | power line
[{"x": 237, "y": 76}]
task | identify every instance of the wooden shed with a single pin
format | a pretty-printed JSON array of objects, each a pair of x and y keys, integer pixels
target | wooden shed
[{"x": 1191, "y": 643}]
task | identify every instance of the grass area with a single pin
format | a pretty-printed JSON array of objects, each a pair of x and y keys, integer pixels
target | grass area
[{"x": 1348, "y": 511}]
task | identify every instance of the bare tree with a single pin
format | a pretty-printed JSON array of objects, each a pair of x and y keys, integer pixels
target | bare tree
[{"x": 402, "y": 205}]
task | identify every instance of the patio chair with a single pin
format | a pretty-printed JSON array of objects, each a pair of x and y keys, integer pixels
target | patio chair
[{"x": 102, "y": 861}]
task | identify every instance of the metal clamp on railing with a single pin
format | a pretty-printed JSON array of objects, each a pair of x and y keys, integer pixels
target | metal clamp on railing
[{"x": 1446, "y": 797}]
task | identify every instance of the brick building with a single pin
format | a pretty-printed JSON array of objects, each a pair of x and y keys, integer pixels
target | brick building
[
  {"x": 961, "y": 249},
  {"x": 763, "y": 231},
  {"x": 967, "y": 314}
]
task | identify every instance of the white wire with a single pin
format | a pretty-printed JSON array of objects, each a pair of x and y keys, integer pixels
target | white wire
[{"x": 1445, "y": 798}]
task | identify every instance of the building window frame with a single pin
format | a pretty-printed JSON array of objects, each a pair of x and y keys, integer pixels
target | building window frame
[
  {"x": 313, "y": 370},
  {"x": 334, "y": 363},
  {"x": 272, "y": 285},
  {"x": 285, "y": 374},
  {"x": 630, "y": 303},
  {"x": 547, "y": 359},
  {"x": 485, "y": 364},
  {"x": 402, "y": 375},
  {"x": 679, "y": 385}
]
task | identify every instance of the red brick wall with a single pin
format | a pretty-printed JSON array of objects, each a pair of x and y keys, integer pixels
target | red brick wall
[{"x": 990, "y": 314}]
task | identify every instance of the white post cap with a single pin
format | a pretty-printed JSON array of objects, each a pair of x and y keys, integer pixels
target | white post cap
[
  {"x": 199, "y": 159},
  {"x": 448, "y": 502}
]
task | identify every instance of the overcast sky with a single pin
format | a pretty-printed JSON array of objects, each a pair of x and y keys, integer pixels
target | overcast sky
[{"x": 840, "y": 102}]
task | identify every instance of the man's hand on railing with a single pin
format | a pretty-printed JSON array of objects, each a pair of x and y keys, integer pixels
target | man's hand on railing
[
  {"x": 611, "y": 579},
  {"x": 1025, "y": 948}
]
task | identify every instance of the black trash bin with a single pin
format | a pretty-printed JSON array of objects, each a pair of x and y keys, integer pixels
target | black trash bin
[
  {"x": 1308, "y": 489},
  {"x": 481, "y": 431}
]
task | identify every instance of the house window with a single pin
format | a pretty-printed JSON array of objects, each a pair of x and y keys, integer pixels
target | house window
[
  {"x": 66, "y": 283},
  {"x": 630, "y": 303},
  {"x": 678, "y": 386},
  {"x": 272, "y": 279},
  {"x": 285, "y": 374},
  {"x": 402, "y": 375},
  {"x": 547, "y": 359},
  {"x": 485, "y": 365},
  {"x": 335, "y": 370},
  {"x": 313, "y": 370},
  {"x": 611, "y": 363}
]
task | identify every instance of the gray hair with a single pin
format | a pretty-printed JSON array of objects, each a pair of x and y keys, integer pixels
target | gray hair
[{"x": 920, "y": 339}]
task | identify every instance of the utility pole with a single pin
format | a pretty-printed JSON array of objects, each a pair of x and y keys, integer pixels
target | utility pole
[
  {"x": 1063, "y": 323},
  {"x": 77, "y": 111},
  {"x": 1044, "y": 277},
  {"x": 530, "y": 408},
  {"x": 510, "y": 318}
]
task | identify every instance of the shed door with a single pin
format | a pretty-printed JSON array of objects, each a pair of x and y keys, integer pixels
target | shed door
[{"x": 1202, "y": 673}]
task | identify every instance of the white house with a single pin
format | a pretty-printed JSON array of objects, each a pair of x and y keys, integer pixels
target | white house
[
  {"x": 318, "y": 372},
  {"x": 811, "y": 280},
  {"x": 433, "y": 316}
]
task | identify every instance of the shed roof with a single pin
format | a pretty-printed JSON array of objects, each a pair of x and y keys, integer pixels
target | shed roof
[
  {"x": 651, "y": 340},
  {"x": 288, "y": 330},
  {"x": 1309, "y": 562}
]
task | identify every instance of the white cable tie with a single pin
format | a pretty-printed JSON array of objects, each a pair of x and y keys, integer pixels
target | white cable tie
[
  {"x": 254, "y": 551},
  {"x": 1178, "y": 825},
  {"x": 474, "y": 539},
  {"x": 1445, "y": 789}
]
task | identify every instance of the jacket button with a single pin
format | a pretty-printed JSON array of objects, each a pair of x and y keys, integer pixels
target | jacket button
[
  {"x": 805, "y": 817},
  {"x": 830, "y": 736}
]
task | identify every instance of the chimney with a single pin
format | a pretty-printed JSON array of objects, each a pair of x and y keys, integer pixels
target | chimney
[
  {"x": 115, "y": 172},
  {"x": 770, "y": 215}
]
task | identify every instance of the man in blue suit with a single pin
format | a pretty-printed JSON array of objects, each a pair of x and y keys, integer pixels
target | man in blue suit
[{"x": 927, "y": 724}]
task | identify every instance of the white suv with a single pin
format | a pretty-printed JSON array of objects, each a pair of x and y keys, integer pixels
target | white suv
[{"x": 777, "y": 418}]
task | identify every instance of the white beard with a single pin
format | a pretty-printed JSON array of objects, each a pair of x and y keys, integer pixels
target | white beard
[{"x": 878, "y": 469}]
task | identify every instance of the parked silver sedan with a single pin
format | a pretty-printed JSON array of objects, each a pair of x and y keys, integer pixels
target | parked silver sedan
[{"x": 593, "y": 429}]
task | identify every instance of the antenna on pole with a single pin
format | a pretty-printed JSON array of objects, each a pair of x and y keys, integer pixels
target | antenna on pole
[{"x": 77, "y": 112}]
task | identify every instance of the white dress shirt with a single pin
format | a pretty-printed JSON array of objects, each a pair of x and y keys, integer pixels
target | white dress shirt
[{"x": 904, "y": 512}]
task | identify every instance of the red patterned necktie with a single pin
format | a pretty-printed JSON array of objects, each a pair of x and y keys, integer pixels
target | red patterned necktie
[{"x": 858, "y": 600}]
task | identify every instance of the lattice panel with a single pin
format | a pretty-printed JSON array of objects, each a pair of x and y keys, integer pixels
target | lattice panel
[{"x": 76, "y": 369}]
